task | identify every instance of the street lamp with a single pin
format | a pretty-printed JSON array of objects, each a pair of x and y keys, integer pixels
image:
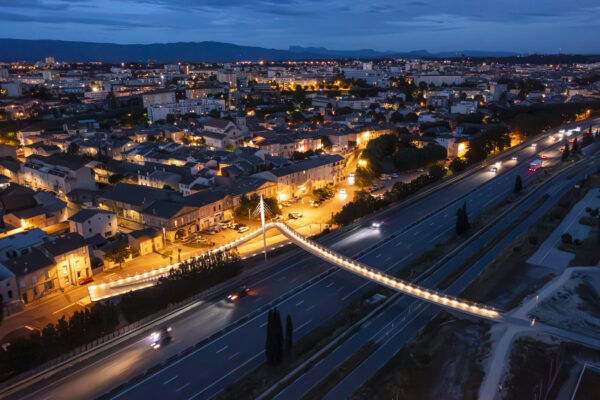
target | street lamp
[{"x": 362, "y": 163}]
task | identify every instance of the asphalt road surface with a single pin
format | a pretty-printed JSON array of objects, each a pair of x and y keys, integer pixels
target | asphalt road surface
[{"x": 209, "y": 369}]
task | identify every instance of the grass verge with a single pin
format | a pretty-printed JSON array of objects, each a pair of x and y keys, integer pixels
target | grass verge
[
  {"x": 507, "y": 271},
  {"x": 443, "y": 362}
]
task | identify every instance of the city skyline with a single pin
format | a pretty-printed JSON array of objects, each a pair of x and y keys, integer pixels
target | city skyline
[{"x": 535, "y": 27}]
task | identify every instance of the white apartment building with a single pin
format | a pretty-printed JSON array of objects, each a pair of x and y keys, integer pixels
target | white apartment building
[
  {"x": 197, "y": 106},
  {"x": 57, "y": 173},
  {"x": 91, "y": 222}
]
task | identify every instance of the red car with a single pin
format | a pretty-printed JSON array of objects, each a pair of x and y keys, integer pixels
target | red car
[
  {"x": 84, "y": 281},
  {"x": 543, "y": 157}
]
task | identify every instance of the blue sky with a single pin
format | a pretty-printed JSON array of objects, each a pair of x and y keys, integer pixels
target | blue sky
[{"x": 400, "y": 25}]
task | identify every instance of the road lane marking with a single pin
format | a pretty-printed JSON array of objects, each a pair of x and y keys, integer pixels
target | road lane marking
[
  {"x": 299, "y": 303},
  {"x": 433, "y": 239},
  {"x": 330, "y": 285},
  {"x": 311, "y": 307},
  {"x": 233, "y": 356},
  {"x": 222, "y": 349},
  {"x": 261, "y": 353},
  {"x": 302, "y": 325},
  {"x": 182, "y": 387},
  {"x": 417, "y": 232},
  {"x": 263, "y": 324},
  {"x": 170, "y": 380},
  {"x": 378, "y": 255}
]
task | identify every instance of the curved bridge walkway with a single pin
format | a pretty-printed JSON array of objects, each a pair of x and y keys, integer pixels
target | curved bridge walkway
[{"x": 146, "y": 279}]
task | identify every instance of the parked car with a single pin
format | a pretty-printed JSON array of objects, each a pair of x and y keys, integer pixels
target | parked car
[
  {"x": 278, "y": 218},
  {"x": 85, "y": 281},
  {"x": 315, "y": 203},
  {"x": 395, "y": 175},
  {"x": 286, "y": 204},
  {"x": 297, "y": 214},
  {"x": 243, "y": 229}
]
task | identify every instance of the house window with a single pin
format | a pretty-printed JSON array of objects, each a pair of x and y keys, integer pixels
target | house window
[
  {"x": 10, "y": 294},
  {"x": 90, "y": 230},
  {"x": 47, "y": 274}
]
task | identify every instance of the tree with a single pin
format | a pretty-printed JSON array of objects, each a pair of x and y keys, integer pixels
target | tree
[
  {"x": 167, "y": 187},
  {"x": 326, "y": 142},
  {"x": 457, "y": 164},
  {"x": 119, "y": 254},
  {"x": 73, "y": 148},
  {"x": 462, "y": 219},
  {"x": 289, "y": 331},
  {"x": 518, "y": 184},
  {"x": 575, "y": 147},
  {"x": 566, "y": 153},
  {"x": 278, "y": 339},
  {"x": 396, "y": 117},
  {"x": 411, "y": 117},
  {"x": 269, "y": 351},
  {"x": 115, "y": 178},
  {"x": 274, "y": 341}
]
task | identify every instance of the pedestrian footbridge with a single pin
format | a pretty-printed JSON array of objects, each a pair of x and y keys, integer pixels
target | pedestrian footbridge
[{"x": 146, "y": 279}]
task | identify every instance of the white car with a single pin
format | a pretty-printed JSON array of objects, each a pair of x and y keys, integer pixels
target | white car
[
  {"x": 533, "y": 145},
  {"x": 515, "y": 158},
  {"x": 493, "y": 169},
  {"x": 243, "y": 229},
  {"x": 376, "y": 224}
]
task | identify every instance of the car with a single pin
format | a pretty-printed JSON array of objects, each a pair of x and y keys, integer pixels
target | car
[
  {"x": 494, "y": 169},
  {"x": 238, "y": 294},
  {"x": 376, "y": 224},
  {"x": 286, "y": 204},
  {"x": 277, "y": 218},
  {"x": 420, "y": 170},
  {"x": 315, "y": 204},
  {"x": 86, "y": 280},
  {"x": 514, "y": 158},
  {"x": 296, "y": 214},
  {"x": 200, "y": 239},
  {"x": 533, "y": 145},
  {"x": 395, "y": 175},
  {"x": 243, "y": 229},
  {"x": 342, "y": 192},
  {"x": 160, "y": 338},
  {"x": 543, "y": 157}
]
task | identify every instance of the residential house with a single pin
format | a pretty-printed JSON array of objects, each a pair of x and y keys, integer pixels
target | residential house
[
  {"x": 92, "y": 221},
  {"x": 145, "y": 241}
]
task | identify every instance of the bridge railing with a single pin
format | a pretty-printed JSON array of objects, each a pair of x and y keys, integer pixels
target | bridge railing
[{"x": 145, "y": 279}]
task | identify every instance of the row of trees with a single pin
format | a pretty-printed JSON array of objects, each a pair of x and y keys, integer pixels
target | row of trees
[
  {"x": 192, "y": 276},
  {"x": 54, "y": 340},
  {"x": 277, "y": 346},
  {"x": 324, "y": 193},
  {"x": 389, "y": 149},
  {"x": 364, "y": 204}
]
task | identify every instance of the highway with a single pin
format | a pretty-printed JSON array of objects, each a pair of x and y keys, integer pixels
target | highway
[
  {"x": 210, "y": 368},
  {"x": 400, "y": 322}
]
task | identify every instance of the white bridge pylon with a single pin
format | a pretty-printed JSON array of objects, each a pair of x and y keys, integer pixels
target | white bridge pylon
[{"x": 146, "y": 279}]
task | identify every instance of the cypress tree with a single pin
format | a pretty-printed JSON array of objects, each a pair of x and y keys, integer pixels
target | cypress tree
[
  {"x": 575, "y": 147},
  {"x": 518, "y": 184},
  {"x": 566, "y": 153},
  {"x": 278, "y": 338},
  {"x": 289, "y": 331},
  {"x": 269, "y": 341}
]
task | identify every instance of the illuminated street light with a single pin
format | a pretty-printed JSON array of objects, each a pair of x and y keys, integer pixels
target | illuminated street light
[{"x": 362, "y": 163}]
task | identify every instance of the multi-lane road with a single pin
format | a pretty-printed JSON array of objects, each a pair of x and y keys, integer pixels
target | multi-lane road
[{"x": 210, "y": 368}]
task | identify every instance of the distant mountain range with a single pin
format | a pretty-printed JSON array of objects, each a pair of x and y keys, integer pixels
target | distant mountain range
[{"x": 35, "y": 50}]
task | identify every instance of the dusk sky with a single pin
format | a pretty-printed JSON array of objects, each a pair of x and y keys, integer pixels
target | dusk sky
[{"x": 511, "y": 25}]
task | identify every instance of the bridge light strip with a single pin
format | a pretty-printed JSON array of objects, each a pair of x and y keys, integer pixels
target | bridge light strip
[{"x": 116, "y": 287}]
